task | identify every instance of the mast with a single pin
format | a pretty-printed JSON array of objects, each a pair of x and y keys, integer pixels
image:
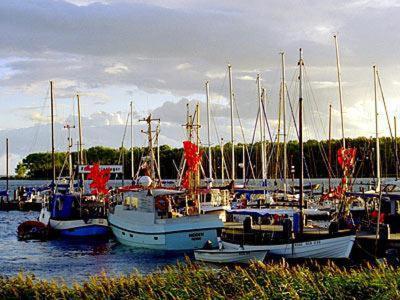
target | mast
[
  {"x": 132, "y": 157},
  {"x": 339, "y": 78},
  {"x": 260, "y": 106},
  {"x": 208, "y": 133},
  {"x": 158, "y": 150},
  {"x": 284, "y": 126},
  {"x": 197, "y": 179},
  {"x": 264, "y": 105},
  {"x": 7, "y": 167},
  {"x": 244, "y": 162},
  {"x": 53, "y": 160},
  {"x": 70, "y": 170},
  {"x": 232, "y": 125},
  {"x": 149, "y": 132},
  {"x": 222, "y": 161},
  {"x": 378, "y": 155},
  {"x": 395, "y": 148},
  {"x": 81, "y": 159},
  {"x": 301, "y": 154},
  {"x": 330, "y": 147}
]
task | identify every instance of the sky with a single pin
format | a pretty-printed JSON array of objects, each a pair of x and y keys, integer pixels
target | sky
[{"x": 159, "y": 54}]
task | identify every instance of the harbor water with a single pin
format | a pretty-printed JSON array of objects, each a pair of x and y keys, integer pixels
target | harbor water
[{"x": 70, "y": 259}]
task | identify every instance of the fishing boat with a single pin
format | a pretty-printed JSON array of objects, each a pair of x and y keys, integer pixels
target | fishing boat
[
  {"x": 73, "y": 215},
  {"x": 154, "y": 217},
  {"x": 71, "y": 212}
]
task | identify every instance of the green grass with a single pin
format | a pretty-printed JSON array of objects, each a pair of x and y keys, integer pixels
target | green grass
[{"x": 194, "y": 281}]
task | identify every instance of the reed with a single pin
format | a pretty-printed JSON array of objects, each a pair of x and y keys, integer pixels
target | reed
[{"x": 194, "y": 281}]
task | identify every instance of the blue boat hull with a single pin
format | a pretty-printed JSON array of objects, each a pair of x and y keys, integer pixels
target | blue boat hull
[{"x": 91, "y": 230}]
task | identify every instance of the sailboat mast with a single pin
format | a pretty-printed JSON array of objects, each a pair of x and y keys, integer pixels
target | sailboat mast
[
  {"x": 377, "y": 155},
  {"x": 339, "y": 78},
  {"x": 284, "y": 126},
  {"x": 330, "y": 147},
  {"x": 244, "y": 163},
  {"x": 208, "y": 132},
  {"x": 260, "y": 107},
  {"x": 264, "y": 104},
  {"x": 132, "y": 157},
  {"x": 7, "y": 167},
  {"x": 395, "y": 148},
  {"x": 222, "y": 161},
  {"x": 232, "y": 125},
  {"x": 301, "y": 148},
  {"x": 53, "y": 160}
]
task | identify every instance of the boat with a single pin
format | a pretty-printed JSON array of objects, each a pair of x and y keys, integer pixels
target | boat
[
  {"x": 32, "y": 198},
  {"x": 333, "y": 248},
  {"x": 144, "y": 221},
  {"x": 73, "y": 215},
  {"x": 151, "y": 216},
  {"x": 32, "y": 230},
  {"x": 70, "y": 212},
  {"x": 232, "y": 255},
  {"x": 282, "y": 232}
]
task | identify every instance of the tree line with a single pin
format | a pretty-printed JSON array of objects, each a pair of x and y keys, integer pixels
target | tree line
[{"x": 316, "y": 153}]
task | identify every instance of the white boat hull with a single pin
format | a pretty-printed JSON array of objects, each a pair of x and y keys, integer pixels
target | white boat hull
[
  {"x": 230, "y": 255},
  {"x": 339, "y": 247},
  {"x": 139, "y": 229},
  {"x": 182, "y": 240}
]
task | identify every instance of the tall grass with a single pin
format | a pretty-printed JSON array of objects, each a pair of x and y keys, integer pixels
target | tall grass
[{"x": 194, "y": 281}]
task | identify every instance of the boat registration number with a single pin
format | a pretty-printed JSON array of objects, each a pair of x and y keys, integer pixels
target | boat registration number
[
  {"x": 195, "y": 236},
  {"x": 310, "y": 243}
]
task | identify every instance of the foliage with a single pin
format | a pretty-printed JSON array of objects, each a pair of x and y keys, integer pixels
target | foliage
[
  {"x": 38, "y": 165},
  {"x": 193, "y": 281}
]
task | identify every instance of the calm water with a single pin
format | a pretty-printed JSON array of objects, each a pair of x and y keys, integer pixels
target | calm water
[{"x": 72, "y": 260}]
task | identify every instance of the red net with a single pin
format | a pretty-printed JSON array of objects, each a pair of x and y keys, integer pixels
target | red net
[
  {"x": 99, "y": 179},
  {"x": 193, "y": 159}
]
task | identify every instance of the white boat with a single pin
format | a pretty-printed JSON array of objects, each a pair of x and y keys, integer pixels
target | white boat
[
  {"x": 140, "y": 222},
  {"x": 230, "y": 255},
  {"x": 336, "y": 247}
]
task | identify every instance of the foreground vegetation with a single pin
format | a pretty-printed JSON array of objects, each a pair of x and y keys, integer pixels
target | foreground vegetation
[{"x": 192, "y": 281}]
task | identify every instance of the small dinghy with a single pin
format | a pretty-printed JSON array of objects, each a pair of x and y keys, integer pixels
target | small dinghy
[
  {"x": 32, "y": 230},
  {"x": 224, "y": 256}
]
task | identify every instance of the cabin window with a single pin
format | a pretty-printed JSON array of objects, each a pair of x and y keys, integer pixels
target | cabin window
[
  {"x": 156, "y": 238},
  {"x": 123, "y": 233},
  {"x": 131, "y": 235}
]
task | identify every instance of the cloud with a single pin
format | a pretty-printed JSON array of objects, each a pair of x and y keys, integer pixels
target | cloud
[
  {"x": 183, "y": 66},
  {"x": 246, "y": 78},
  {"x": 169, "y": 48},
  {"x": 116, "y": 69}
]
